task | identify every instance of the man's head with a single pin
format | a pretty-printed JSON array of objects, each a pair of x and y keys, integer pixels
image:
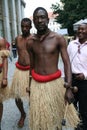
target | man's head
[
  {"x": 40, "y": 19},
  {"x": 26, "y": 26},
  {"x": 82, "y": 32}
]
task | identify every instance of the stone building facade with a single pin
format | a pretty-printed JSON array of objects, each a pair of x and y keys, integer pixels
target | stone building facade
[{"x": 11, "y": 13}]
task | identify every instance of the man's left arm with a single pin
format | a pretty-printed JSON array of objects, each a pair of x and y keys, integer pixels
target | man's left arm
[{"x": 67, "y": 70}]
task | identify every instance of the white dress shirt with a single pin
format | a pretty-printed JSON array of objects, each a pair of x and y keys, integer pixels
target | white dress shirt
[{"x": 78, "y": 57}]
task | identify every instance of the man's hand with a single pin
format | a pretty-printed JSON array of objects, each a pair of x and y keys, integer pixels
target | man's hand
[
  {"x": 67, "y": 85},
  {"x": 4, "y": 83},
  {"x": 80, "y": 76},
  {"x": 69, "y": 97}
]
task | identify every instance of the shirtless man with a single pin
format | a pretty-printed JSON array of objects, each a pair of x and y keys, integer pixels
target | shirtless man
[
  {"x": 4, "y": 90},
  {"x": 21, "y": 75},
  {"x": 47, "y": 90}
]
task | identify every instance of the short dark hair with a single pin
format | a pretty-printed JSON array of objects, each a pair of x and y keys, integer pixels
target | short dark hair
[
  {"x": 40, "y": 8},
  {"x": 26, "y": 20}
]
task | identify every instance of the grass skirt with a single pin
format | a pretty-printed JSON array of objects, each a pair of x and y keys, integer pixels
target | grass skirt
[
  {"x": 47, "y": 106},
  {"x": 4, "y": 92},
  {"x": 19, "y": 84}
]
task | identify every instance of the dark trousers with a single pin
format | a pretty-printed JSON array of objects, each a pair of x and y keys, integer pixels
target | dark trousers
[
  {"x": 81, "y": 98},
  {"x": 14, "y": 53}
]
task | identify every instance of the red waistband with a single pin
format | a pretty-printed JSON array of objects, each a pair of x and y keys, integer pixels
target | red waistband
[
  {"x": 1, "y": 65},
  {"x": 22, "y": 67},
  {"x": 46, "y": 78}
]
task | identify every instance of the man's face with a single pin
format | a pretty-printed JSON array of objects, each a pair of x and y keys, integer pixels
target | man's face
[
  {"x": 41, "y": 20},
  {"x": 25, "y": 27},
  {"x": 82, "y": 31}
]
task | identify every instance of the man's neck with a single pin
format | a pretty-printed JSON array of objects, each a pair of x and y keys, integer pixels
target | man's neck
[
  {"x": 25, "y": 36},
  {"x": 82, "y": 40},
  {"x": 40, "y": 33},
  {"x": 43, "y": 35}
]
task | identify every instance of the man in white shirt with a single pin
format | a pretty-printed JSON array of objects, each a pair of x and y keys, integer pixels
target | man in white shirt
[{"x": 77, "y": 50}]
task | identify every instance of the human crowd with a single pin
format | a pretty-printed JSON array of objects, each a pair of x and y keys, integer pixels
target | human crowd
[{"x": 37, "y": 78}]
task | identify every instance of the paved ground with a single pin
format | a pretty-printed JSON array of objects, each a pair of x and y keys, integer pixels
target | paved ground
[{"x": 11, "y": 114}]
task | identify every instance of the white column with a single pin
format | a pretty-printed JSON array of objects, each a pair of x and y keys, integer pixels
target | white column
[
  {"x": 6, "y": 20},
  {"x": 14, "y": 23},
  {"x": 19, "y": 15},
  {"x": 22, "y": 11}
]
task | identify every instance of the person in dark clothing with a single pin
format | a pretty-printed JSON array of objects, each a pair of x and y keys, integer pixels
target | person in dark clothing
[
  {"x": 14, "y": 51},
  {"x": 77, "y": 50}
]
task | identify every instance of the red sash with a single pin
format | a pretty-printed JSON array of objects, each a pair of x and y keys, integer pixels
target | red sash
[
  {"x": 1, "y": 65},
  {"x": 22, "y": 67},
  {"x": 46, "y": 78}
]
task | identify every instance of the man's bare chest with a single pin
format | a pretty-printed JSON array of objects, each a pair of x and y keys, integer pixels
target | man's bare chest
[
  {"x": 21, "y": 45},
  {"x": 47, "y": 46}
]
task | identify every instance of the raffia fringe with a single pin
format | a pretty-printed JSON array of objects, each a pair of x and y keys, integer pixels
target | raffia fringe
[
  {"x": 4, "y": 53},
  {"x": 19, "y": 84},
  {"x": 47, "y": 106}
]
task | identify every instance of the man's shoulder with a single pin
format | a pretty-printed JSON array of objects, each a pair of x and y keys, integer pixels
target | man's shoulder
[
  {"x": 2, "y": 40},
  {"x": 73, "y": 41},
  {"x": 30, "y": 39},
  {"x": 55, "y": 34},
  {"x": 2, "y": 43},
  {"x": 19, "y": 37},
  {"x": 32, "y": 36}
]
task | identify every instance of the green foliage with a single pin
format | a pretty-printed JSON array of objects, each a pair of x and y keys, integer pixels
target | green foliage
[{"x": 70, "y": 12}]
